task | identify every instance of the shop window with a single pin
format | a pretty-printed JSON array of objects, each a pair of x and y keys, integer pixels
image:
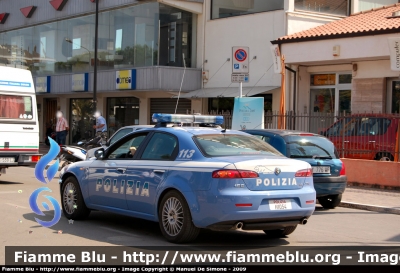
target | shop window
[
  {"x": 373, "y": 4},
  {"x": 229, "y": 8},
  {"x": 81, "y": 120},
  {"x": 395, "y": 96},
  {"x": 345, "y": 78},
  {"x": 332, "y": 7},
  {"x": 122, "y": 112},
  {"x": 219, "y": 105}
]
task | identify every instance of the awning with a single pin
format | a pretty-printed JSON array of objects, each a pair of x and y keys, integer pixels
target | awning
[{"x": 227, "y": 92}]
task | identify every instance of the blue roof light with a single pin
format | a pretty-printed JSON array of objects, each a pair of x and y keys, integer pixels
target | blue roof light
[{"x": 176, "y": 118}]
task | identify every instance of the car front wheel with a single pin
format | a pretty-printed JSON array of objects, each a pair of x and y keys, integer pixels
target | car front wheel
[
  {"x": 175, "y": 219},
  {"x": 72, "y": 200},
  {"x": 330, "y": 201}
]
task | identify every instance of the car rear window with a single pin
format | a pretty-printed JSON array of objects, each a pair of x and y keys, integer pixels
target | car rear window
[
  {"x": 231, "y": 145},
  {"x": 310, "y": 147}
]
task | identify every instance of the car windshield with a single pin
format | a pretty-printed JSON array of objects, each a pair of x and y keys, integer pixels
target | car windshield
[
  {"x": 311, "y": 147},
  {"x": 230, "y": 145}
]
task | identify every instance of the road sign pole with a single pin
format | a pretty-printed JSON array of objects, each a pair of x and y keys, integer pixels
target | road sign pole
[{"x": 240, "y": 89}]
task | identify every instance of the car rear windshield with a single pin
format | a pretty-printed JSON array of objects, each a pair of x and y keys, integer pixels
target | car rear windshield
[
  {"x": 310, "y": 147},
  {"x": 231, "y": 145},
  {"x": 16, "y": 107}
]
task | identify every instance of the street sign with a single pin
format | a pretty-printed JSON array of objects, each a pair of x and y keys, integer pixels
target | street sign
[
  {"x": 240, "y": 57},
  {"x": 276, "y": 58},
  {"x": 238, "y": 78}
]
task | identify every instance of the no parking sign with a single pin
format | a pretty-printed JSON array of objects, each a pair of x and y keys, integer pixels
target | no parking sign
[{"x": 240, "y": 57}]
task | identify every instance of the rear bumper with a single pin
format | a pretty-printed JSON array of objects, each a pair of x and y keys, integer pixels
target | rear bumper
[
  {"x": 219, "y": 211},
  {"x": 330, "y": 185},
  {"x": 20, "y": 159}
]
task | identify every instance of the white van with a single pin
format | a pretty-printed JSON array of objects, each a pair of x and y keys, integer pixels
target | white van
[{"x": 19, "y": 125}]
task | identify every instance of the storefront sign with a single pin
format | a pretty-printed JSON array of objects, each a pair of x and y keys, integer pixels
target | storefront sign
[
  {"x": 80, "y": 82},
  {"x": 394, "y": 46},
  {"x": 323, "y": 79},
  {"x": 43, "y": 84},
  {"x": 248, "y": 113},
  {"x": 276, "y": 58},
  {"x": 125, "y": 79}
]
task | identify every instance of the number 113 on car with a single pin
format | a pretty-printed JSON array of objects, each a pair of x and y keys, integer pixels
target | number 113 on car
[{"x": 186, "y": 154}]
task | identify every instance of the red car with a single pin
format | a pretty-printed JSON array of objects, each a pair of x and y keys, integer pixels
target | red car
[{"x": 365, "y": 136}]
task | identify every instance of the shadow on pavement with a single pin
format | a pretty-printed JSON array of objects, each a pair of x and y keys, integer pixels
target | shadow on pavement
[
  {"x": 9, "y": 183},
  {"x": 322, "y": 211},
  {"x": 127, "y": 231}
]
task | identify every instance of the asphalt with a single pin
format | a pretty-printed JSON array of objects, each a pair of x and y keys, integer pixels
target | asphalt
[{"x": 354, "y": 197}]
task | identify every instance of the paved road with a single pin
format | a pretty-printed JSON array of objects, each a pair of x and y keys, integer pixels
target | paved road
[{"x": 326, "y": 227}]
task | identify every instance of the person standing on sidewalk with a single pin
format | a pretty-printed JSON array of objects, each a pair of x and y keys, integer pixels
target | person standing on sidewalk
[
  {"x": 101, "y": 124},
  {"x": 61, "y": 128}
]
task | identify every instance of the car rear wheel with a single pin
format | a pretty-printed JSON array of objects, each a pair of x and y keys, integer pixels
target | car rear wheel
[
  {"x": 175, "y": 219},
  {"x": 330, "y": 201},
  {"x": 384, "y": 157},
  {"x": 281, "y": 232},
  {"x": 72, "y": 200}
]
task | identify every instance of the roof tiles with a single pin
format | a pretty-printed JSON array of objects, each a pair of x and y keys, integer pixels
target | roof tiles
[{"x": 363, "y": 23}]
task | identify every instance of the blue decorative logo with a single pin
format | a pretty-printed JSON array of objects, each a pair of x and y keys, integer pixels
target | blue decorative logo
[
  {"x": 39, "y": 174},
  {"x": 236, "y": 66}
]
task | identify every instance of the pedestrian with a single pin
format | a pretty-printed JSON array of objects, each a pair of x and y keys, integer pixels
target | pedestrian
[
  {"x": 101, "y": 125},
  {"x": 61, "y": 128}
]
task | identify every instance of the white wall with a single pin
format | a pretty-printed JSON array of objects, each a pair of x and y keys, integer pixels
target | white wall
[{"x": 255, "y": 31}]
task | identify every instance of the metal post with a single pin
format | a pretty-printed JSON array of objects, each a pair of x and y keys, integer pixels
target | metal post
[
  {"x": 240, "y": 90},
  {"x": 95, "y": 56}
]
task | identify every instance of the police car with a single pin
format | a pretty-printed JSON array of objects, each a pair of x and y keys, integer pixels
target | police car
[{"x": 189, "y": 178}]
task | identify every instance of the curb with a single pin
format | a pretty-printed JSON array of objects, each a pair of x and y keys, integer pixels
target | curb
[{"x": 351, "y": 205}]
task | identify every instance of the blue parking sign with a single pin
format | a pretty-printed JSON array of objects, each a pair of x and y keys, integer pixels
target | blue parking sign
[{"x": 236, "y": 66}]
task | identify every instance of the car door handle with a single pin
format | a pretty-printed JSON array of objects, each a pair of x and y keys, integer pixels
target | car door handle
[
  {"x": 372, "y": 141},
  {"x": 159, "y": 171},
  {"x": 121, "y": 170},
  {"x": 346, "y": 141}
]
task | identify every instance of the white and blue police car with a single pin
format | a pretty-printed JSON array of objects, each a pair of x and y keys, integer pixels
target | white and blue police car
[{"x": 189, "y": 178}]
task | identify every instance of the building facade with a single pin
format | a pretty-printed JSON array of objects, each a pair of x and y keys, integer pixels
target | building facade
[
  {"x": 149, "y": 51},
  {"x": 348, "y": 65}
]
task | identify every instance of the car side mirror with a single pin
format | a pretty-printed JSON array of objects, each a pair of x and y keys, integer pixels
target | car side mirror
[{"x": 99, "y": 154}]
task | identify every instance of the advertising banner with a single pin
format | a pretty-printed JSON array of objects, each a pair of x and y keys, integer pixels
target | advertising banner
[{"x": 248, "y": 113}]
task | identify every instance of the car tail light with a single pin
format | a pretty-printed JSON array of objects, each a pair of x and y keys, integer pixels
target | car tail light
[
  {"x": 343, "y": 170},
  {"x": 304, "y": 173},
  {"x": 231, "y": 174},
  {"x": 35, "y": 158}
]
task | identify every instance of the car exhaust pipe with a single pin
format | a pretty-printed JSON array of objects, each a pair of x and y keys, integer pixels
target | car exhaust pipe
[
  {"x": 239, "y": 225},
  {"x": 303, "y": 221}
]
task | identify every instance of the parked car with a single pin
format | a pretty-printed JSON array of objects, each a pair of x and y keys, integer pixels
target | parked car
[
  {"x": 328, "y": 170},
  {"x": 365, "y": 136},
  {"x": 118, "y": 135},
  {"x": 191, "y": 178}
]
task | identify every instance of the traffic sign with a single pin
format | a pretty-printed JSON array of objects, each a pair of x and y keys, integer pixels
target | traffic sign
[
  {"x": 238, "y": 78},
  {"x": 240, "y": 57}
]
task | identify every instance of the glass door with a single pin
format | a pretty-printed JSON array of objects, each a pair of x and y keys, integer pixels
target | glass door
[
  {"x": 81, "y": 120},
  {"x": 344, "y": 103},
  {"x": 322, "y": 109}
]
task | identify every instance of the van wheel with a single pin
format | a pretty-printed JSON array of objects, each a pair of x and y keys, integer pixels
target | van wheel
[
  {"x": 175, "y": 219},
  {"x": 330, "y": 201},
  {"x": 384, "y": 157},
  {"x": 73, "y": 204},
  {"x": 277, "y": 233}
]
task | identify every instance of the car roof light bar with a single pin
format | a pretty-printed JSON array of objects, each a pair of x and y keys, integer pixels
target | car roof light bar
[{"x": 176, "y": 118}]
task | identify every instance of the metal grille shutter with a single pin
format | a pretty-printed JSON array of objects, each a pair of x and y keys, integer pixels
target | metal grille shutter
[{"x": 167, "y": 106}]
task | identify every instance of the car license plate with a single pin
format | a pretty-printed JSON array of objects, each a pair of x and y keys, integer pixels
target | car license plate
[
  {"x": 321, "y": 169},
  {"x": 282, "y": 204},
  {"x": 7, "y": 159}
]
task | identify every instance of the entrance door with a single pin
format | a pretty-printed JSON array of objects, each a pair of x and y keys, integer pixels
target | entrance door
[
  {"x": 50, "y": 110},
  {"x": 81, "y": 120},
  {"x": 322, "y": 109}
]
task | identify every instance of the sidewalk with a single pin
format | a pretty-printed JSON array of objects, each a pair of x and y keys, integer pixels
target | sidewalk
[
  {"x": 386, "y": 201},
  {"x": 379, "y": 200}
]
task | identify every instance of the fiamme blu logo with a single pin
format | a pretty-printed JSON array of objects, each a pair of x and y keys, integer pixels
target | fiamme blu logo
[{"x": 50, "y": 173}]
